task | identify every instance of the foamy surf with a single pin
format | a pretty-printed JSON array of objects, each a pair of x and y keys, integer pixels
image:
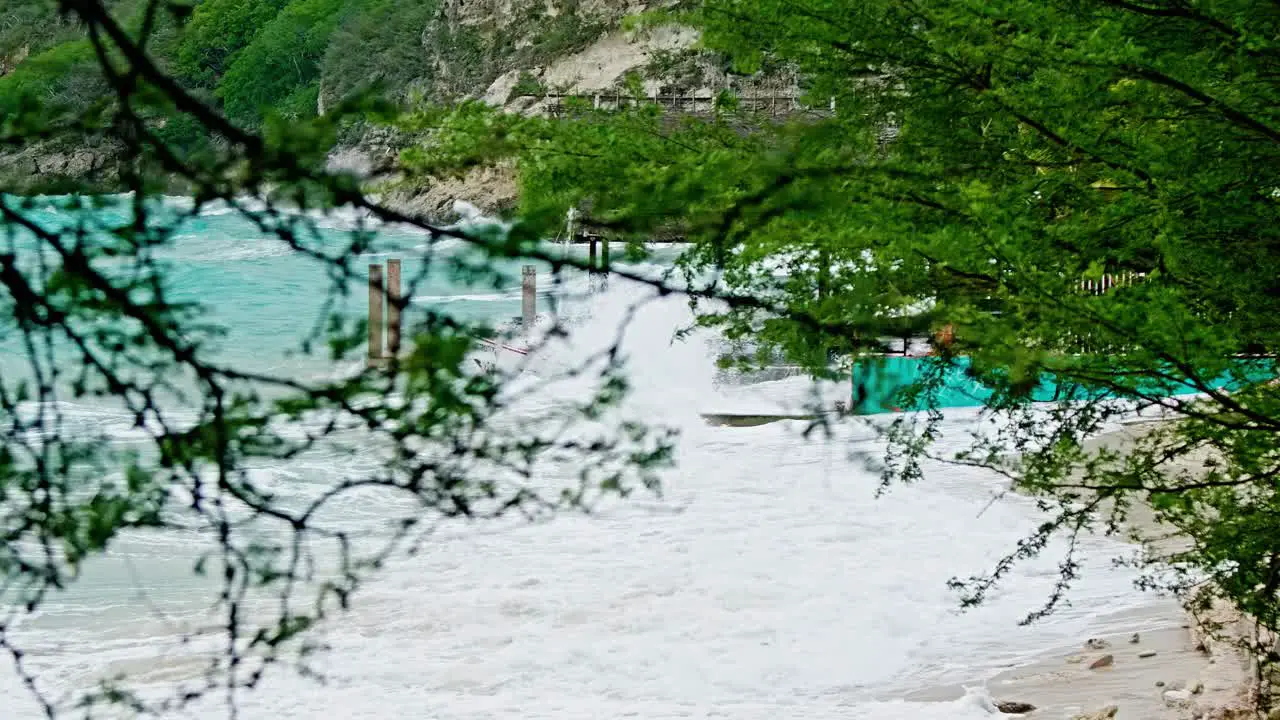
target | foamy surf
[{"x": 767, "y": 581}]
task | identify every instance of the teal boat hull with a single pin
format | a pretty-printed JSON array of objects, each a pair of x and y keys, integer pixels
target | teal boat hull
[{"x": 880, "y": 384}]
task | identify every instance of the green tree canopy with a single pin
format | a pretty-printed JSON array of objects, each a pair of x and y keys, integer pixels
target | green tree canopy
[
  {"x": 217, "y": 30},
  {"x": 280, "y": 67}
]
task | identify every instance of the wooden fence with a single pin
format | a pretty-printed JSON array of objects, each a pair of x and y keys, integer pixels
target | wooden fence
[
  {"x": 774, "y": 105},
  {"x": 1110, "y": 281}
]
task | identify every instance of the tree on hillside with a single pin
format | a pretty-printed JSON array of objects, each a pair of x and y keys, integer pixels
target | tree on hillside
[
  {"x": 985, "y": 159},
  {"x": 216, "y": 32}
]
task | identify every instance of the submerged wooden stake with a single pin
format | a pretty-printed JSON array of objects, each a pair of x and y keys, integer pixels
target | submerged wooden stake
[
  {"x": 375, "y": 312},
  {"x": 394, "y": 304},
  {"x": 529, "y": 297}
]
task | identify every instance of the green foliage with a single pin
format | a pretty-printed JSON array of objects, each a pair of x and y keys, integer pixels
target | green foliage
[
  {"x": 219, "y": 29},
  {"x": 528, "y": 86},
  {"x": 182, "y": 134},
  {"x": 380, "y": 46},
  {"x": 32, "y": 26},
  {"x": 61, "y": 79},
  {"x": 682, "y": 69},
  {"x": 284, "y": 56}
]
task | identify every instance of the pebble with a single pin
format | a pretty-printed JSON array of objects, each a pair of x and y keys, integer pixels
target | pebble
[
  {"x": 1177, "y": 698},
  {"x": 1096, "y": 644},
  {"x": 1197, "y": 687},
  {"x": 1134, "y": 640},
  {"x": 1147, "y": 654},
  {"x": 1104, "y": 661},
  {"x": 1014, "y": 707},
  {"x": 1159, "y": 683}
]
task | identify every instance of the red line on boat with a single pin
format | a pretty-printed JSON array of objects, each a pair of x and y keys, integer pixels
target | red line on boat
[{"x": 492, "y": 343}]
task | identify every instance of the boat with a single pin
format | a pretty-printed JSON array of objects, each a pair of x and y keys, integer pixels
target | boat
[{"x": 880, "y": 383}]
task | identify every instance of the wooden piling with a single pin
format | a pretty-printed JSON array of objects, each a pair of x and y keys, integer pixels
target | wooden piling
[
  {"x": 375, "y": 312},
  {"x": 394, "y": 304},
  {"x": 529, "y": 297},
  {"x": 591, "y": 252}
]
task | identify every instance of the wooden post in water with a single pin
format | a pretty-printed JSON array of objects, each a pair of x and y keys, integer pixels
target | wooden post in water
[
  {"x": 591, "y": 251},
  {"x": 393, "y": 308},
  {"x": 375, "y": 313},
  {"x": 529, "y": 297},
  {"x": 604, "y": 252}
]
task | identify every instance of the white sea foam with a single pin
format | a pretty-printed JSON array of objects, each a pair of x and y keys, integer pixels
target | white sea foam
[{"x": 768, "y": 581}]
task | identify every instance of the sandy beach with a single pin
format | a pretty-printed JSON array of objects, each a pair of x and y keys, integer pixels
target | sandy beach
[
  {"x": 1162, "y": 676},
  {"x": 1159, "y": 667}
]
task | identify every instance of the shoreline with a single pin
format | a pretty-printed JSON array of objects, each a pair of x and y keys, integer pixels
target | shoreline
[
  {"x": 1163, "y": 676},
  {"x": 1174, "y": 671}
]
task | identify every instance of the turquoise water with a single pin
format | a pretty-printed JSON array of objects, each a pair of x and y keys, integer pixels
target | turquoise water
[
  {"x": 880, "y": 384},
  {"x": 266, "y": 298}
]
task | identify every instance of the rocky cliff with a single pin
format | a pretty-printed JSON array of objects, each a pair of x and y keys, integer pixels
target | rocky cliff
[{"x": 245, "y": 56}]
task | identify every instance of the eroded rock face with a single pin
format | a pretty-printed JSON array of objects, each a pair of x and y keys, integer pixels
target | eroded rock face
[
  {"x": 375, "y": 153},
  {"x": 481, "y": 13},
  {"x": 73, "y": 164},
  {"x": 43, "y": 165},
  {"x": 601, "y": 65},
  {"x": 11, "y": 61},
  {"x": 492, "y": 191}
]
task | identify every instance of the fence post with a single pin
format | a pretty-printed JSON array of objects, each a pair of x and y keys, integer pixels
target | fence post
[
  {"x": 529, "y": 297},
  {"x": 375, "y": 312},
  {"x": 394, "y": 305}
]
